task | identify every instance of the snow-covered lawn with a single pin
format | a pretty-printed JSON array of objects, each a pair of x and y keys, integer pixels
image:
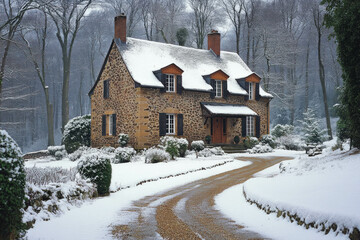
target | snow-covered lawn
[
  {"x": 321, "y": 189},
  {"x": 94, "y": 218}
]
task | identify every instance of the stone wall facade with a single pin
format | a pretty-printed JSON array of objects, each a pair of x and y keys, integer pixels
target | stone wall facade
[{"x": 138, "y": 109}]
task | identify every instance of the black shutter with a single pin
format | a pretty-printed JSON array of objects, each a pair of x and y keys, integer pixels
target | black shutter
[
  {"x": 257, "y": 126},
  {"x": 162, "y": 124},
  {"x": 103, "y": 125},
  {"x": 180, "y": 127},
  {"x": 179, "y": 84},
  {"x": 163, "y": 81},
  {"x": 106, "y": 89},
  {"x": 224, "y": 89},
  {"x": 212, "y": 93},
  {"x": 243, "y": 126},
  {"x": 211, "y": 130},
  {"x": 247, "y": 90},
  {"x": 114, "y": 124},
  {"x": 257, "y": 91}
]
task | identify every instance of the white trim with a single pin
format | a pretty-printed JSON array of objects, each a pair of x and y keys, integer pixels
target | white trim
[
  {"x": 111, "y": 124},
  {"x": 170, "y": 124},
  {"x": 218, "y": 82},
  {"x": 251, "y": 91}
]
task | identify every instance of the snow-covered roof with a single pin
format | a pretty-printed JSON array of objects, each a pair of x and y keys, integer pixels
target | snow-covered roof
[
  {"x": 264, "y": 94},
  {"x": 143, "y": 57},
  {"x": 228, "y": 109}
]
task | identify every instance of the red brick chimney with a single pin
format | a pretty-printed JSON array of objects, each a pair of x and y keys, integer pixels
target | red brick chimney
[
  {"x": 120, "y": 27},
  {"x": 214, "y": 42}
]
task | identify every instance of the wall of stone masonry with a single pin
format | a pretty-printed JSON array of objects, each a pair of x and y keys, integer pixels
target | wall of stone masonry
[
  {"x": 138, "y": 109},
  {"x": 122, "y": 101}
]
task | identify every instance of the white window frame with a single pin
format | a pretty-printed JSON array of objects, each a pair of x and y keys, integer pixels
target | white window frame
[
  {"x": 111, "y": 124},
  {"x": 250, "y": 126},
  {"x": 218, "y": 88},
  {"x": 170, "y": 124},
  {"x": 170, "y": 83},
  {"x": 251, "y": 91}
]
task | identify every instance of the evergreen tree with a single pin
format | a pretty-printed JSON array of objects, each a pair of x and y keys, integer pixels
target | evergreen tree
[
  {"x": 344, "y": 17},
  {"x": 311, "y": 127},
  {"x": 182, "y": 35}
]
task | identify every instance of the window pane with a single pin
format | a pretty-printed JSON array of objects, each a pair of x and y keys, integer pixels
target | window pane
[
  {"x": 170, "y": 124},
  {"x": 170, "y": 83},
  {"x": 218, "y": 88}
]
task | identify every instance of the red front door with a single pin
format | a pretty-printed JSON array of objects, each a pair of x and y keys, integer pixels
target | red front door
[{"x": 219, "y": 130}]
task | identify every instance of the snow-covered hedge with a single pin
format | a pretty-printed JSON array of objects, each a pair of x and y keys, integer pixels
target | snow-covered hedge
[
  {"x": 260, "y": 148},
  {"x": 123, "y": 154},
  {"x": 198, "y": 145},
  {"x": 250, "y": 142},
  {"x": 123, "y": 139},
  {"x": 155, "y": 155},
  {"x": 77, "y": 133},
  {"x": 174, "y": 146},
  {"x": 282, "y": 130},
  {"x": 45, "y": 175},
  {"x": 208, "y": 152},
  {"x": 97, "y": 168},
  {"x": 12, "y": 187},
  {"x": 291, "y": 142},
  {"x": 269, "y": 139},
  {"x": 53, "y": 149}
]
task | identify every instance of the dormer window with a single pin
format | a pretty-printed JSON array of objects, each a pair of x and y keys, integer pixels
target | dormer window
[
  {"x": 170, "y": 83},
  {"x": 251, "y": 91},
  {"x": 218, "y": 88}
]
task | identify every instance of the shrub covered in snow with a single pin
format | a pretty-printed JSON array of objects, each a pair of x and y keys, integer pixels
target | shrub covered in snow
[
  {"x": 123, "y": 154},
  {"x": 155, "y": 155},
  {"x": 260, "y": 148},
  {"x": 108, "y": 149},
  {"x": 291, "y": 142},
  {"x": 269, "y": 139},
  {"x": 123, "y": 139},
  {"x": 77, "y": 133},
  {"x": 97, "y": 168},
  {"x": 45, "y": 175},
  {"x": 250, "y": 142},
  {"x": 311, "y": 128},
  {"x": 197, "y": 146},
  {"x": 53, "y": 149},
  {"x": 174, "y": 146},
  {"x": 282, "y": 130},
  {"x": 60, "y": 155},
  {"x": 78, "y": 153},
  {"x": 208, "y": 152},
  {"x": 12, "y": 187}
]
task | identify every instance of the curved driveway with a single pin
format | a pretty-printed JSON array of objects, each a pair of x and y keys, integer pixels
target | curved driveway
[{"x": 187, "y": 212}]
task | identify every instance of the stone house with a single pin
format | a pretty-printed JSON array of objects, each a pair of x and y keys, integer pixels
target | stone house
[{"x": 148, "y": 89}]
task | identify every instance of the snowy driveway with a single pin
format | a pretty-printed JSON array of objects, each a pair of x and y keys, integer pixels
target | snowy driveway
[{"x": 188, "y": 212}]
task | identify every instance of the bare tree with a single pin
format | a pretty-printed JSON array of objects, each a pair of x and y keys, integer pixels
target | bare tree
[
  {"x": 203, "y": 15},
  {"x": 67, "y": 17},
  {"x": 250, "y": 9},
  {"x": 234, "y": 10},
  {"x": 318, "y": 15},
  {"x": 40, "y": 66}
]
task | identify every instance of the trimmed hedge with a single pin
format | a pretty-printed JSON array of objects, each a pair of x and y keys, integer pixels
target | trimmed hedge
[{"x": 77, "y": 133}]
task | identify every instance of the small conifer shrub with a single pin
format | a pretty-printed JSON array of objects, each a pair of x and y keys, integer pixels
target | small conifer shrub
[
  {"x": 97, "y": 168},
  {"x": 12, "y": 187},
  {"x": 123, "y": 139}
]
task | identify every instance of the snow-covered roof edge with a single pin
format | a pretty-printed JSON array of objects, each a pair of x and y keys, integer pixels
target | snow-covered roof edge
[{"x": 227, "y": 109}]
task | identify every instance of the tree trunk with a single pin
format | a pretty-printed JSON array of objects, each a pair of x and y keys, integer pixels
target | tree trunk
[
  {"x": 323, "y": 86},
  {"x": 65, "y": 92},
  {"x": 307, "y": 77},
  {"x": 50, "y": 118},
  {"x": 2, "y": 67}
]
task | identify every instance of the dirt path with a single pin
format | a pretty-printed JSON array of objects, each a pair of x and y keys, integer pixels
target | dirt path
[{"x": 187, "y": 212}]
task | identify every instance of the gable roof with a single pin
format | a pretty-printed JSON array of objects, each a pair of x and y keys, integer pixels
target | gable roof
[{"x": 142, "y": 57}]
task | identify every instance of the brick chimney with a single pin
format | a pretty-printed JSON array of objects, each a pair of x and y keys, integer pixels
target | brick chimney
[
  {"x": 120, "y": 27},
  {"x": 214, "y": 42}
]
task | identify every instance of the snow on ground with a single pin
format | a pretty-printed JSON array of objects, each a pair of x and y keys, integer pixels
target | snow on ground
[
  {"x": 94, "y": 218},
  {"x": 322, "y": 188}
]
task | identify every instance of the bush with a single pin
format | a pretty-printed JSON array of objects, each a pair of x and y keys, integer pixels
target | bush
[
  {"x": 155, "y": 155},
  {"x": 261, "y": 148},
  {"x": 43, "y": 176},
  {"x": 77, "y": 133},
  {"x": 208, "y": 152},
  {"x": 98, "y": 169},
  {"x": 12, "y": 186},
  {"x": 250, "y": 142},
  {"x": 78, "y": 153},
  {"x": 174, "y": 146},
  {"x": 53, "y": 149},
  {"x": 236, "y": 139},
  {"x": 123, "y": 139},
  {"x": 197, "y": 146},
  {"x": 208, "y": 139},
  {"x": 123, "y": 154},
  {"x": 108, "y": 149},
  {"x": 282, "y": 130},
  {"x": 268, "y": 139},
  {"x": 291, "y": 142},
  {"x": 60, "y": 155}
]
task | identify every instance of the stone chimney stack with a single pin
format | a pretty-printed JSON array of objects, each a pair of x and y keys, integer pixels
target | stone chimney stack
[
  {"x": 120, "y": 27},
  {"x": 214, "y": 42}
]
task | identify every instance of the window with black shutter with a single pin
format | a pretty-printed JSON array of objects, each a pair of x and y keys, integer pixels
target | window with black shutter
[
  {"x": 162, "y": 124},
  {"x": 106, "y": 88},
  {"x": 180, "y": 129},
  {"x": 179, "y": 84},
  {"x": 113, "y": 130},
  {"x": 243, "y": 126},
  {"x": 257, "y": 126},
  {"x": 103, "y": 125},
  {"x": 257, "y": 92},
  {"x": 224, "y": 89}
]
